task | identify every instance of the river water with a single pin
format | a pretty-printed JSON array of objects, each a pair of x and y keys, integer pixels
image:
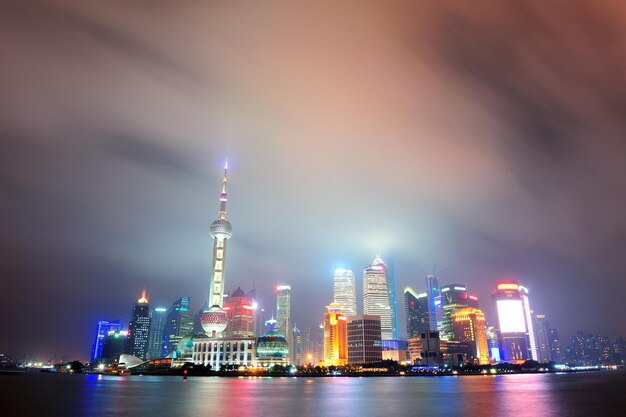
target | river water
[{"x": 582, "y": 394}]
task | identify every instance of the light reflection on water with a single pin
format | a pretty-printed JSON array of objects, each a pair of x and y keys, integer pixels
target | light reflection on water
[{"x": 502, "y": 395}]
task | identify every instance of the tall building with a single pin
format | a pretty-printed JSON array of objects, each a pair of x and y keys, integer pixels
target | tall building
[
  {"x": 555, "y": 346},
  {"x": 542, "y": 337},
  {"x": 114, "y": 345},
  {"x": 215, "y": 319},
  {"x": 155, "y": 341},
  {"x": 376, "y": 295},
  {"x": 393, "y": 302},
  {"x": 296, "y": 348},
  {"x": 434, "y": 302},
  {"x": 453, "y": 298},
  {"x": 139, "y": 328},
  {"x": 364, "y": 339},
  {"x": 178, "y": 324},
  {"x": 103, "y": 328},
  {"x": 416, "y": 311},
  {"x": 517, "y": 338},
  {"x": 469, "y": 326},
  {"x": 240, "y": 315},
  {"x": 283, "y": 314},
  {"x": 344, "y": 290},
  {"x": 335, "y": 336},
  {"x": 493, "y": 341}
]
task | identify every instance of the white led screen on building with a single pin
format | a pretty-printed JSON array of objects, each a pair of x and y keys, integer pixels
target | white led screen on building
[{"x": 511, "y": 316}]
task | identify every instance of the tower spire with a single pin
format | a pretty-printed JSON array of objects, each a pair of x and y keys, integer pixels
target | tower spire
[
  {"x": 224, "y": 196},
  {"x": 144, "y": 298}
]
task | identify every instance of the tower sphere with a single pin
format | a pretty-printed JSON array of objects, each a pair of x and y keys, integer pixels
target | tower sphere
[
  {"x": 221, "y": 229},
  {"x": 215, "y": 319}
]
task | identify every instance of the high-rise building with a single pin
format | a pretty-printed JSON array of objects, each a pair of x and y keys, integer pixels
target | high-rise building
[
  {"x": 335, "y": 336},
  {"x": 296, "y": 348},
  {"x": 376, "y": 295},
  {"x": 178, "y": 324},
  {"x": 555, "y": 346},
  {"x": 453, "y": 298},
  {"x": 393, "y": 302},
  {"x": 240, "y": 315},
  {"x": 103, "y": 328},
  {"x": 364, "y": 339},
  {"x": 517, "y": 338},
  {"x": 493, "y": 341},
  {"x": 215, "y": 319},
  {"x": 434, "y": 302},
  {"x": 155, "y": 341},
  {"x": 344, "y": 290},
  {"x": 139, "y": 328},
  {"x": 416, "y": 311},
  {"x": 283, "y": 314},
  {"x": 469, "y": 326},
  {"x": 542, "y": 337},
  {"x": 114, "y": 345}
]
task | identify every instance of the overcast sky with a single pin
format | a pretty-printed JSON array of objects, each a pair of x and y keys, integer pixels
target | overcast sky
[{"x": 488, "y": 138}]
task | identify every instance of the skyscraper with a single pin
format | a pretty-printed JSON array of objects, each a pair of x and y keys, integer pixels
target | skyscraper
[
  {"x": 376, "y": 296},
  {"x": 364, "y": 341},
  {"x": 344, "y": 290},
  {"x": 555, "y": 346},
  {"x": 469, "y": 326},
  {"x": 155, "y": 341},
  {"x": 296, "y": 347},
  {"x": 178, "y": 324},
  {"x": 517, "y": 339},
  {"x": 393, "y": 302},
  {"x": 335, "y": 336},
  {"x": 103, "y": 328},
  {"x": 240, "y": 315},
  {"x": 139, "y": 328},
  {"x": 416, "y": 309},
  {"x": 283, "y": 314},
  {"x": 215, "y": 319},
  {"x": 542, "y": 337},
  {"x": 453, "y": 298},
  {"x": 434, "y": 301}
]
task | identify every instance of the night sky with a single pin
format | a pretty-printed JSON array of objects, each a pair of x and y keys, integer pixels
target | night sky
[{"x": 488, "y": 139}]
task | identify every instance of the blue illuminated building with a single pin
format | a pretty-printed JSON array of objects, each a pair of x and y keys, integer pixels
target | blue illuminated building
[
  {"x": 102, "y": 330},
  {"x": 178, "y": 324}
]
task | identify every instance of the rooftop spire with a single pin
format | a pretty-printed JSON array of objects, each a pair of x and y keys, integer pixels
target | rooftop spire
[
  {"x": 144, "y": 298},
  {"x": 224, "y": 196}
]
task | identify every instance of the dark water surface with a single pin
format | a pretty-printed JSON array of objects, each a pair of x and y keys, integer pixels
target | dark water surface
[{"x": 583, "y": 394}]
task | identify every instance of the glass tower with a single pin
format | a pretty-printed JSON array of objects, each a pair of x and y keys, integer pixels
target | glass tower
[
  {"x": 139, "y": 328},
  {"x": 344, "y": 290},
  {"x": 155, "y": 341},
  {"x": 376, "y": 296}
]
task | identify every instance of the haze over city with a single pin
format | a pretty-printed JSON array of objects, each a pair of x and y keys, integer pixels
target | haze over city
[{"x": 485, "y": 139}]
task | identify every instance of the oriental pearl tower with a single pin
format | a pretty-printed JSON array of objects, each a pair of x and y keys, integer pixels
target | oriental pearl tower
[{"x": 215, "y": 319}]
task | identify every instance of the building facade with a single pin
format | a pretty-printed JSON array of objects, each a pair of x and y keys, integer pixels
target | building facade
[
  {"x": 453, "y": 298},
  {"x": 283, "y": 314},
  {"x": 103, "y": 328},
  {"x": 344, "y": 290},
  {"x": 376, "y": 295},
  {"x": 178, "y": 324},
  {"x": 240, "y": 313},
  {"x": 222, "y": 353},
  {"x": 434, "y": 302},
  {"x": 517, "y": 339},
  {"x": 416, "y": 312},
  {"x": 335, "y": 336},
  {"x": 364, "y": 339},
  {"x": 469, "y": 327},
  {"x": 139, "y": 329},
  {"x": 155, "y": 340}
]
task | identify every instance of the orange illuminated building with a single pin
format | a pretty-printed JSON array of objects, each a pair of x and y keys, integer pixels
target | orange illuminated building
[
  {"x": 469, "y": 326},
  {"x": 335, "y": 336}
]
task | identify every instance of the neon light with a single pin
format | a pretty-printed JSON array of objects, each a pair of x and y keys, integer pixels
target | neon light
[
  {"x": 422, "y": 295},
  {"x": 511, "y": 316},
  {"x": 473, "y": 297},
  {"x": 507, "y": 286},
  {"x": 247, "y": 307},
  {"x": 160, "y": 309},
  {"x": 283, "y": 287},
  {"x": 460, "y": 288},
  {"x": 445, "y": 289}
]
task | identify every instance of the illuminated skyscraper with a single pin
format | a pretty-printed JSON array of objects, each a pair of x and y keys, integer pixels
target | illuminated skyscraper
[
  {"x": 296, "y": 347},
  {"x": 517, "y": 339},
  {"x": 364, "y": 341},
  {"x": 555, "y": 346},
  {"x": 469, "y": 326},
  {"x": 139, "y": 328},
  {"x": 155, "y": 341},
  {"x": 114, "y": 345},
  {"x": 104, "y": 327},
  {"x": 283, "y": 314},
  {"x": 178, "y": 324},
  {"x": 344, "y": 290},
  {"x": 416, "y": 309},
  {"x": 376, "y": 296},
  {"x": 335, "y": 336},
  {"x": 393, "y": 302},
  {"x": 434, "y": 302},
  {"x": 542, "y": 337},
  {"x": 453, "y": 298},
  {"x": 215, "y": 319},
  {"x": 240, "y": 315}
]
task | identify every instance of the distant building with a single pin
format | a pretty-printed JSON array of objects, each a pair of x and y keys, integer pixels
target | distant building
[
  {"x": 364, "y": 339},
  {"x": 453, "y": 297},
  {"x": 178, "y": 324},
  {"x": 416, "y": 312},
  {"x": 395, "y": 350},
  {"x": 103, "y": 328},
  {"x": 517, "y": 337},
  {"x": 555, "y": 346},
  {"x": 376, "y": 295},
  {"x": 542, "y": 337},
  {"x": 155, "y": 340},
  {"x": 435, "y": 313},
  {"x": 472, "y": 301},
  {"x": 393, "y": 302},
  {"x": 344, "y": 290},
  {"x": 283, "y": 313},
  {"x": 493, "y": 342},
  {"x": 296, "y": 347},
  {"x": 431, "y": 349},
  {"x": 415, "y": 349},
  {"x": 114, "y": 345},
  {"x": 469, "y": 327},
  {"x": 139, "y": 328},
  {"x": 240, "y": 315},
  {"x": 335, "y": 336}
]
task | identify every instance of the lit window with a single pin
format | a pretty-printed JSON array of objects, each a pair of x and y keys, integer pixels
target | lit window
[{"x": 219, "y": 253}]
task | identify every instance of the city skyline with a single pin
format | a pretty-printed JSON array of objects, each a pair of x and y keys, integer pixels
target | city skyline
[{"x": 433, "y": 135}]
